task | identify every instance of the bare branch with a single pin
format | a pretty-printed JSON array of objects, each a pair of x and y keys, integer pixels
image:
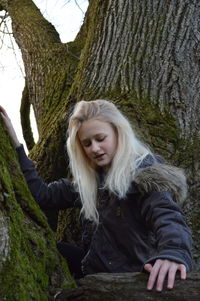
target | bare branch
[
  {"x": 5, "y": 30},
  {"x": 77, "y": 4},
  {"x": 15, "y": 55}
]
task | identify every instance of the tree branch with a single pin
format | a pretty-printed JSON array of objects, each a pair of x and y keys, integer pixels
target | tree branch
[
  {"x": 30, "y": 28},
  {"x": 25, "y": 119}
]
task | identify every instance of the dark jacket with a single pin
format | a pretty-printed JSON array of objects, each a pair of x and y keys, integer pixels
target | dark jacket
[{"x": 146, "y": 225}]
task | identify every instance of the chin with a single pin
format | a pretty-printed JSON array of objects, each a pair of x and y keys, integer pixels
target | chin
[{"x": 104, "y": 165}]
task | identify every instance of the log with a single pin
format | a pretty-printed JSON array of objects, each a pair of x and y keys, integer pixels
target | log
[{"x": 130, "y": 287}]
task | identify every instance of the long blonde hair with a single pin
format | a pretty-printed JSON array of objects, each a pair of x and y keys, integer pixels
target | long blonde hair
[{"x": 130, "y": 152}]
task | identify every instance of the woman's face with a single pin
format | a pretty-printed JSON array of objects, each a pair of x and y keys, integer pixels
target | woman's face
[{"x": 99, "y": 141}]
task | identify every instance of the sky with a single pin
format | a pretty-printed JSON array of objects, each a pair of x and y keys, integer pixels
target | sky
[{"x": 67, "y": 18}]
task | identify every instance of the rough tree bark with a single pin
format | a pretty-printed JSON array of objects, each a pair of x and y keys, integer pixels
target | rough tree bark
[
  {"x": 30, "y": 266},
  {"x": 129, "y": 287},
  {"x": 143, "y": 55}
]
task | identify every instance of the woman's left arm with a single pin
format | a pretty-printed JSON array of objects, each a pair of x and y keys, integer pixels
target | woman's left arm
[{"x": 174, "y": 242}]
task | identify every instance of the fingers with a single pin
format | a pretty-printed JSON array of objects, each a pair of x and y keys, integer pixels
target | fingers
[
  {"x": 9, "y": 127},
  {"x": 3, "y": 116},
  {"x": 154, "y": 274},
  {"x": 3, "y": 113},
  {"x": 183, "y": 273},
  {"x": 159, "y": 272},
  {"x": 171, "y": 275},
  {"x": 148, "y": 267}
]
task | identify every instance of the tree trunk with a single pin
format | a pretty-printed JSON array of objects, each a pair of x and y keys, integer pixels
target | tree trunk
[
  {"x": 143, "y": 55},
  {"x": 30, "y": 267}
]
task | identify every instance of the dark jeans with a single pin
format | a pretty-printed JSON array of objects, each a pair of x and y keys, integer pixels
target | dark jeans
[{"x": 74, "y": 256}]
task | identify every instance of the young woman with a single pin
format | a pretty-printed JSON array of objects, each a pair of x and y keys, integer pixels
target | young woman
[{"x": 128, "y": 197}]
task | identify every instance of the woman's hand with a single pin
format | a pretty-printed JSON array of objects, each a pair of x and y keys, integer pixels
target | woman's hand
[
  {"x": 9, "y": 127},
  {"x": 162, "y": 269}
]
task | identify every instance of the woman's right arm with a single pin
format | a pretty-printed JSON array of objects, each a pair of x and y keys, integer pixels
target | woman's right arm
[{"x": 56, "y": 195}]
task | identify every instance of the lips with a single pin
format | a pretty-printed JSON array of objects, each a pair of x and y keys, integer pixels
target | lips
[{"x": 97, "y": 157}]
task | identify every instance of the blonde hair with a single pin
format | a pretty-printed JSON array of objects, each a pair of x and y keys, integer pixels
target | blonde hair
[{"x": 130, "y": 152}]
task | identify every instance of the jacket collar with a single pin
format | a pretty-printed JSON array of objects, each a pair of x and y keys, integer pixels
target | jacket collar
[{"x": 162, "y": 177}]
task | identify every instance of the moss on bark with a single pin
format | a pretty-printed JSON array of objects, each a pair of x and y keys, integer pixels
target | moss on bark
[{"x": 30, "y": 267}]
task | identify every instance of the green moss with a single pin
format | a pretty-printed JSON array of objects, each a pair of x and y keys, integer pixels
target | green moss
[{"x": 33, "y": 261}]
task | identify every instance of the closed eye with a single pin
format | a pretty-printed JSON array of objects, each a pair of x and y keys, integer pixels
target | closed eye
[
  {"x": 99, "y": 139},
  {"x": 86, "y": 143}
]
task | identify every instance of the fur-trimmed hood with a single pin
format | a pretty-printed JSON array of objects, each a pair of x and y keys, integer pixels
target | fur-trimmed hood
[{"x": 162, "y": 177}]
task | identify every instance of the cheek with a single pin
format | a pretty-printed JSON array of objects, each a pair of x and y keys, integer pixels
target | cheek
[
  {"x": 86, "y": 151},
  {"x": 112, "y": 147}
]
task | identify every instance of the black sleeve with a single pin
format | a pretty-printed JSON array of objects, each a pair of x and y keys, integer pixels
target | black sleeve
[
  {"x": 56, "y": 195},
  {"x": 166, "y": 220}
]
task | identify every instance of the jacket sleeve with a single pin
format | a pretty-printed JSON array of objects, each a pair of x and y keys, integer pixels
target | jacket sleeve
[
  {"x": 56, "y": 195},
  {"x": 165, "y": 219}
]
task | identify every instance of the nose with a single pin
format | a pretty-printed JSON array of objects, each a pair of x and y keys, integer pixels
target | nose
[{"x": 95, "y": 146}]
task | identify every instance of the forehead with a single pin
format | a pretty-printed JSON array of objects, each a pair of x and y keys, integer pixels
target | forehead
[{"x": 93, "y": 127}]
